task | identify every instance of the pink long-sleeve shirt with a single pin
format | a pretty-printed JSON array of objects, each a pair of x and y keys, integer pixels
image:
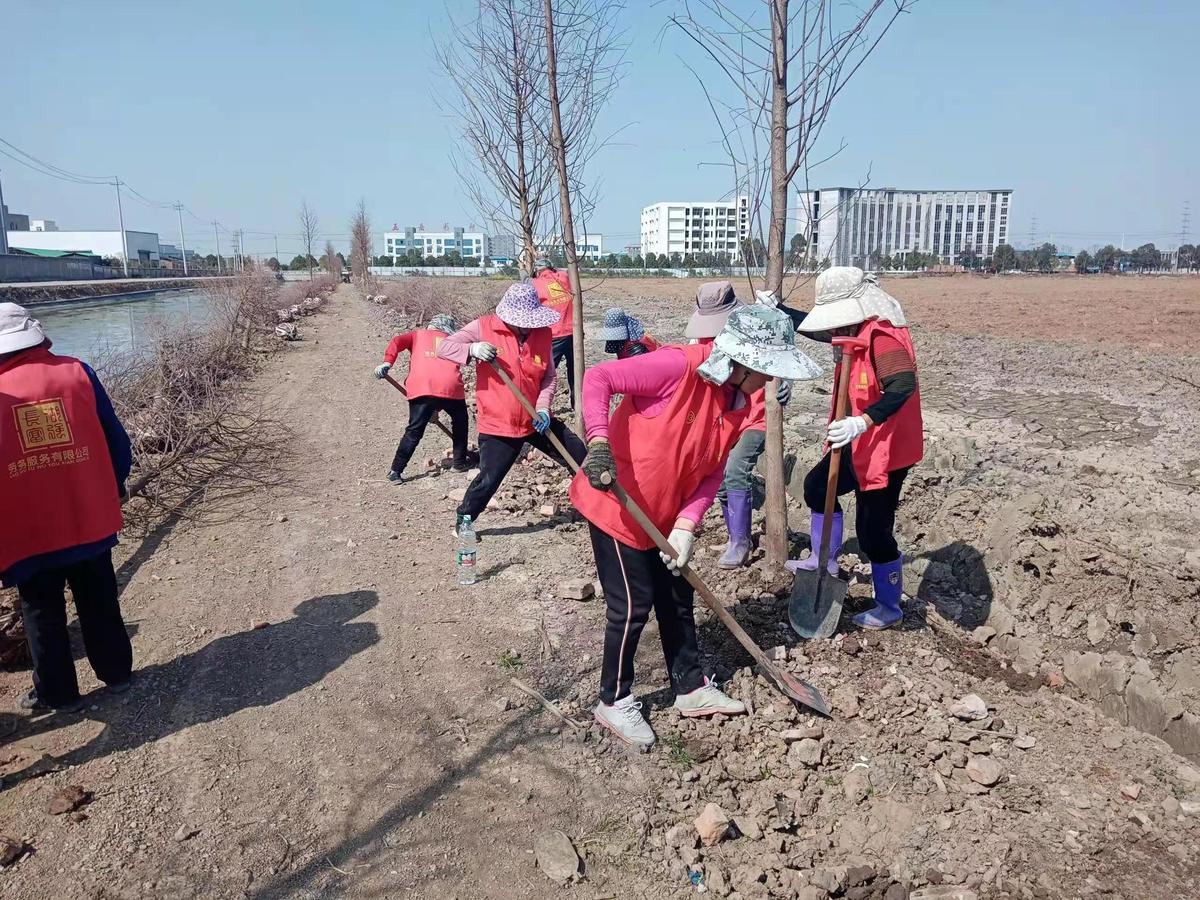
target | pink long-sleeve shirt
[
  {"x": 457, "y": 349},
  {"x": 651, "y": 381}
]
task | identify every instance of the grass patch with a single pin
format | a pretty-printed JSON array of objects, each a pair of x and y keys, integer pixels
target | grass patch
[
  {"x": 511, "y": 662},
  {"x": 677, "y": 753}
]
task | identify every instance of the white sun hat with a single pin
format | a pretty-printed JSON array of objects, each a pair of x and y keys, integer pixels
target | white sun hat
[
  {"x": 761, "y": 339},
  {"x": 847, "y": 296},
  {"x": 18, "y": 329}
]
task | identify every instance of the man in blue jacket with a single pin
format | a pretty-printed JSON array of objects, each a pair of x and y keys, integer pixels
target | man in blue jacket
[{"x": 64, "y": 458}]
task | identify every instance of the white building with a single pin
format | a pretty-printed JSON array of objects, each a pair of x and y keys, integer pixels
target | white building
[
  {"x": 43, "y": 225},
  {"x": 588, "y": 247},
  {"x": 705, "y": 226},
  {"x": 143, "y": 245},
  {"x": 474, "y": 244},
  {"x": 848, "y": 226}
]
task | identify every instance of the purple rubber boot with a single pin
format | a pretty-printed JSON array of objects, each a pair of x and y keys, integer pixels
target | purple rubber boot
[
  {"x": 737, "y": 520},
  {"x": 835, "y": 545},
  {"x": 888, "y": 581}
]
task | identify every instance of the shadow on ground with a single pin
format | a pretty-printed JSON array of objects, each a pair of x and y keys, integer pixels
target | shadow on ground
[{"x": 248, "y": 669}]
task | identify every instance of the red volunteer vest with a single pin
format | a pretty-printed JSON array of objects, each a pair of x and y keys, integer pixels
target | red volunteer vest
[
  {"x": 497, "y": 411},
  {"x": 554, "y": 290},
  {"x": 57, "y": 488},
  {"x": 898, "y": 442},
  {"x": 662, "y": 459},
  {"x": 429, "y": 376},
  {"x": 646, "y": 341}
]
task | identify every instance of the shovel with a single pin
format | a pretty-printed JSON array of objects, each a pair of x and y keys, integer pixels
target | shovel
[
  {"x": 789, "y": 685},
  {"x": 817, "y": 597}
]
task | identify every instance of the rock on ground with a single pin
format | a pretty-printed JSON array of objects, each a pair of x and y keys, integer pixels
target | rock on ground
[{"x": 556, "y": 855}]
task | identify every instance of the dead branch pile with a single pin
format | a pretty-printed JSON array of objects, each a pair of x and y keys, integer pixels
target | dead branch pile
[{"x": 416, "y": 300}]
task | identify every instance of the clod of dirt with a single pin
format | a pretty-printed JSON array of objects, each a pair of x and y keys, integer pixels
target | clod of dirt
[
  {"x": 11, "y": 849},
  {"x": 577, "y": 589},
  {"x": 970, "y": 708},
  {"x": 712, "y": 825},
  {"x": 984, "y": 770},
  {"x": 68, "y": 800},
  {"x": 185, "y": 831},
  {"x": 258, "y": 625},
  {"x": 556, "y": 856}
]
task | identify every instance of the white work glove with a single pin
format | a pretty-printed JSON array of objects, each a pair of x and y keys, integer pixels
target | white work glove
[
  {"x": 681, "y": 539},
  {"x": 843, "y": 431},
  {"x": 767, "y": 298},
  {"x": 483, "y": 350},
  {"x": 382, "y": 369}
]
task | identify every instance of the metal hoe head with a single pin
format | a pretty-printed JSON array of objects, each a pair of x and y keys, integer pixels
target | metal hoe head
[{"x": 816, "y": 604}]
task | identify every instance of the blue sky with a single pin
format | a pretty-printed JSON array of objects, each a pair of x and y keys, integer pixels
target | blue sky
[{"x": 1084, "y": 107}]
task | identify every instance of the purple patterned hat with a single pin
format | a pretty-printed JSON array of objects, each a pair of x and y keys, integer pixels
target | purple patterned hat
[{"x": 520, "y": 308}]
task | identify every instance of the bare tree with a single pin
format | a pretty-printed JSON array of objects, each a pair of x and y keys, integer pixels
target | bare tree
[
  {"x": 583, "y": 35},
  {"x": 360, "y": 244},
  {"x": 496, "y": 66},
  {"x": 331, "y": 260},
  {"x": 308, "y": 233},
  {"x": 784, "y": 62}
]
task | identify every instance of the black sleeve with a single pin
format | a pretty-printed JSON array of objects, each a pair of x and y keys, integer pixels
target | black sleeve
[
  {"x": 896, "y": 390},
  {"x": 795, "y": 315}
]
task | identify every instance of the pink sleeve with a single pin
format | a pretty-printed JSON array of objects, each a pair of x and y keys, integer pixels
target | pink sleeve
[
  {"x": 697, "y": 505},
  {"x": 546, "y": 391},
  {"x": 457, "y": 347},
  {"x": 651, "y": 376}
]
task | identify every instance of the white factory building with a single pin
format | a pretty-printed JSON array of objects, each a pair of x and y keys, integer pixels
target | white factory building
[
  {"x": 475, "y": 244},
  {"x": 706, "y": 226},
  {"x": 587, "y": 246},
  {"x": 847, "y": 226},
  {"x": 143, "y": 245}
]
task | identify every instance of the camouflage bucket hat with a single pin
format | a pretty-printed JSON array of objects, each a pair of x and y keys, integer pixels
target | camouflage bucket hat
[
  {"x": 443, "y": 323},
  {"x": 761, "y": 339}
]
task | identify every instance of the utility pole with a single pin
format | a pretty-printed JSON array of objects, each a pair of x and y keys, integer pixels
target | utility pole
[
  {"x": 217, "y": 246},
  {"x": 277, "y": 259},
  {"x": 182, "y": 239},
  {"x": 121, "y": 221},
  {"x": 3, "y": 225}
]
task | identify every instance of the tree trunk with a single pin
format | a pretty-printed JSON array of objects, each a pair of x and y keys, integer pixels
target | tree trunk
[
  {"x": 776, "y": 505},
  {"x": 564, "y": 196}
]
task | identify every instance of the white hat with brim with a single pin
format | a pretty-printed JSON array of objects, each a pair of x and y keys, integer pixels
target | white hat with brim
[
  {"x": 18, "y": 329},
  {"x": 520, "y": 308},
  {"x": 715, "y": 300},
  {"x": 848, "y": 296},
  {"x": 763, "y": 340}
]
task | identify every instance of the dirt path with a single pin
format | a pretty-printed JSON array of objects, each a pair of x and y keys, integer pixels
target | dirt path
[
  {"x": 368, "y": 741},
  {"x": 356, "y": 745}
]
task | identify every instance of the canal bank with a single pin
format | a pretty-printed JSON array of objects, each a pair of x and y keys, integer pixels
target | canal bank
[{"x": 32, "y": 294}]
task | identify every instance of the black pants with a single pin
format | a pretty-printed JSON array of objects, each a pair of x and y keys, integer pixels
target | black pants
[
  {"x": 876, "y": 516},
  {"x": 636, "y": 581},
  {"x": 565, "y": 347},
  {"x": 44, "y": 608},
  {"x": 421, "y": 411},
  {"x": 497, "y": 455}
]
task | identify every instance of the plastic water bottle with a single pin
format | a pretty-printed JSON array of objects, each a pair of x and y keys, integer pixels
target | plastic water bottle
[{"x": 465, "y": 555}]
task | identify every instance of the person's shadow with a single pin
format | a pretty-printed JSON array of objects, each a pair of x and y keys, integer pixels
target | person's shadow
[
  {"x": 251, "y": 668},
  {"x": 956, "y": 583}
]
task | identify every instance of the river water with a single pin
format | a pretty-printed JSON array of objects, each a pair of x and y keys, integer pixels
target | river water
[{"x": 94, "y": 329}]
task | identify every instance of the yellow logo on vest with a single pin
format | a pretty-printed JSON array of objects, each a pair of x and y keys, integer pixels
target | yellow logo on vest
[
  {"x": 691, "y": 417},
  {"x": 863, "y": 382},
  {"x": 42, "y": 424},
  {"x": 537, "y": 359}
]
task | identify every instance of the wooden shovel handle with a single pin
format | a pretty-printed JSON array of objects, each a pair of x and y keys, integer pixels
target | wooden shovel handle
[{"x": 835, "y": 460}]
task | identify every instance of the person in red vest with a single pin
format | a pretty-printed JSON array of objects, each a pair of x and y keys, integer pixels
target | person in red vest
[
  {"x": 515, "y": 338},
  {"x": 624, "y": 335},
  {"x": 715, "y": 301},
  {"x": 64, "y": 459},
  {"x": 554, "y": 291},
  {"x": 884, "y": 430},
  {"x": 432, "y": 385},
  {"x": 666, "y": 444}
]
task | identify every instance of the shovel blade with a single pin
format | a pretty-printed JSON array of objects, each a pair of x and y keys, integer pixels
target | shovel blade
[
  {"x": 819, "y": 621},
  {"x": 800, "y": 691}
]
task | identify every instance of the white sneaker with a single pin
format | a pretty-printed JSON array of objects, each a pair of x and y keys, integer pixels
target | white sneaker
[
  {"x": 624, "y": 720},
  {"x": 709, "y": 700}
]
